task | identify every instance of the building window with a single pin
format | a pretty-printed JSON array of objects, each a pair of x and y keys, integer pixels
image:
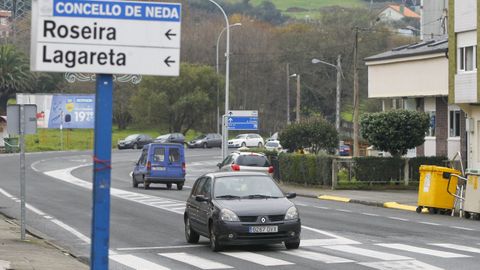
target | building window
[
  {"x": 431, "y": 129},
  {"x": 467, "y": 58},
  {"x": 454, "y": 125}
]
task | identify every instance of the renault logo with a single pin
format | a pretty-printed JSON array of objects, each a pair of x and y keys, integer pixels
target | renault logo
[{"x": 263, "y": 220}]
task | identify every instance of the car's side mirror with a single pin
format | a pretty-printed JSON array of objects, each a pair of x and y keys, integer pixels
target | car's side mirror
[
  {"x": 291, "y": 195},
  {"x": 201, "y": 198}
]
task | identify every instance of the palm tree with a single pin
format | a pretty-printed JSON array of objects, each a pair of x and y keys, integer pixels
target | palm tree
[{"x": 15, "y": 75}]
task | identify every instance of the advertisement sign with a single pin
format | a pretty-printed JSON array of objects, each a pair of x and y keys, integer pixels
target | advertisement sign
[
  {"x": 73, "y": 111},
  {"x": 107, "y": 37}
]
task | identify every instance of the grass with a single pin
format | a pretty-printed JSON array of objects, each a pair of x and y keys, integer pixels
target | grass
[{"x": 81, "y": 139}]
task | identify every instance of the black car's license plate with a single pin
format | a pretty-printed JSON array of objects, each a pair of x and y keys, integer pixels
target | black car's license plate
[{"x": 263, "y": 229}]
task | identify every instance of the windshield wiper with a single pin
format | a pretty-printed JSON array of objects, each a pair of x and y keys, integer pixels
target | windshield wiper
[
  {"x": 260, "y": 196},
  {"x": 228, "y": 197}
]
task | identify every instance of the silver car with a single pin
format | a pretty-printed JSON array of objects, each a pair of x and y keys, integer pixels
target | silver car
[{"x": 246, "y": 162}]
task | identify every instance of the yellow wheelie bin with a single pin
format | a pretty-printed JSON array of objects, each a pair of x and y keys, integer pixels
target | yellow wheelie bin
[{"x": 432, "y": 190}]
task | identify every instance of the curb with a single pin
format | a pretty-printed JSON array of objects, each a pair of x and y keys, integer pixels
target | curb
[{"x": 390, "y": 205}]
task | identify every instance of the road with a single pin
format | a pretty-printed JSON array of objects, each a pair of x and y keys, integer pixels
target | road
[{"x": 147, "y": 225}]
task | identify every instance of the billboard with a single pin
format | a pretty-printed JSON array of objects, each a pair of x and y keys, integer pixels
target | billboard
[{"x": 55, "y": 111}]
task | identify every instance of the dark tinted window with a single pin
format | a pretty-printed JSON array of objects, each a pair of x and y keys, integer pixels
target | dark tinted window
[
  {"x": 206, "y": 189},
  {"x": 159, "y": 154},
  {"x": 174, "y": 155},
  {"x": 198, "y": 186},
  {"x": 143, "y": 157},
  {"x": 253, "y": 160}
]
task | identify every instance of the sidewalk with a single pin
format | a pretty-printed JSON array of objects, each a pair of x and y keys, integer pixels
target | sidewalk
[
  {"x": 31, "y": 254},
  {"x": 397, "y": 199}
]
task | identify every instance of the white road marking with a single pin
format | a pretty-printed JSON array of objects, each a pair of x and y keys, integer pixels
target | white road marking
[
  {"x": 195, "y": 261},
  {"x": 429, "y": 223},
  {"x": 343, "y": 210},
  {"x": 462, "y": 228},
  {"x": 401, "y": 265},
  {"x": 257, "y": 258},
  {"x": 71, "y": 230},
  {"x": 426, "y": 251},
  {"x": 384, "y": 256},
  {"x": 397, "y": 218},
  {"x": 136, "y": 262},
  {"x": 458, "y": 247},
  {"x": 163, "y": 247},
  {"x": 6, "y": 194},
  {"x": 370, "y": 214},
  {"x": 321, "y": 207},
  {"x": 334, "y": 236},
  {"x": 326, "y": 242},
  {"x": 35, "y": 210},
  {"x": 316, "y": 256}
]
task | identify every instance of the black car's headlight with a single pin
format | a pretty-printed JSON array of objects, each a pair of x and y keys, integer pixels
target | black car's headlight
[
  {"x": 228, "y": 215},
  {"x": 292, "y": 213}
]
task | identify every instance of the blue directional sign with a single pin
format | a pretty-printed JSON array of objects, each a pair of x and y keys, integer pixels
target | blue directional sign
[{"x": 242, "y": 123}]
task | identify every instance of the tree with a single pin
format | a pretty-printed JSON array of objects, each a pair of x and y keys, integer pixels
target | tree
[
  {"x": 395, "y": 131},
  {"x": 182, "y": 102},
  {"x": 14, "y": 74},
  {"x": 316, "y": 133}
]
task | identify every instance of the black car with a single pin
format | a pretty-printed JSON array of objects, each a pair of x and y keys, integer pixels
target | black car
[
  {"x": 235, "y": 208},
  {"x": 171, "y": 138},
  {"x": 135, "y": 141},
  {"x": 206, "y": 141}
]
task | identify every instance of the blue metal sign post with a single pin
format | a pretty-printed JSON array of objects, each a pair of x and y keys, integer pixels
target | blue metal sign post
[{"x": 101, "y": 173}]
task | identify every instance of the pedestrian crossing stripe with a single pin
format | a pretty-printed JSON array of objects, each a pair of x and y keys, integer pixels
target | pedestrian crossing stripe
[
  {"x": 257, "y": 258},
  {"x": 196, "y": 261},
  {"x": 400, "y": 265},
  {"x": 384, "y": 256},
  {"x": 426, "y": 251},
  {"x": 316, "y": 256},
  {"x": 136, "y": 262},
  {"x": 458, "y": 247}
]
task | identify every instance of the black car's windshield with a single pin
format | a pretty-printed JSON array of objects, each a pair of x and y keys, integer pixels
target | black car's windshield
[
  {"x": 246, "y": 187},
  {"x": 131, "y": 137},
  {"x": 252, "y": 160}
]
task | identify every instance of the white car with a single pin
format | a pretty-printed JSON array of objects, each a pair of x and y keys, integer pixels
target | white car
[
  {"x": 273, "y": 145},
  {"x": 246, "y": 140}
]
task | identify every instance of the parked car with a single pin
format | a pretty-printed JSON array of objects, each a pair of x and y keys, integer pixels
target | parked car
[
  {"x": 274, "y": 137},
  {"x": 206, "y": 141},
  {"x": 273, "y": 146},
  {"x": 171, "y": 138},
  {"x": 160, "y": 163},
  {"x": 241, "y": 209},
  {"x": 246, "y": 162},
  {"x": 246, "y": 140},
  {"x": 135, "y": 141},
  {"x": 344, "y": 150}
]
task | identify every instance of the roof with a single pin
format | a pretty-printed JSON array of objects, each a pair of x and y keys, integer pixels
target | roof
[
  {"x": 4, "y": 118},
  {"x": 415, "y": 49},
  {"x": 5, "y": 13},
  {"x": 406, "y": 11},
  {"x": 226, "y": 174}
]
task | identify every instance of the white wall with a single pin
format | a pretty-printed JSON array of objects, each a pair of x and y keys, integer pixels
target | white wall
[
  {"x": 413, "y": 78},
  {"x": 465, "y": 15},
  {"x": 3, "y": 133}
]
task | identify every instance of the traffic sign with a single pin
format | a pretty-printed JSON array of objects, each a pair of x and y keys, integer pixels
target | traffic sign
[
  {"x": 242, "y": 120},
  {"x": 109, "y": 37}
]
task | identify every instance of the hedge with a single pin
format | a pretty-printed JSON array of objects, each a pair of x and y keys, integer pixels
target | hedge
[
  {"x": 305, "y": 169},
  {"x": 415, "y": 163},
  {"x": 378, "y": 169}
]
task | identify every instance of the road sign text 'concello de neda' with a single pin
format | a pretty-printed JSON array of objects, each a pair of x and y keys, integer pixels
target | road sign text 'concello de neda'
[{"x": 118, "y": 37}]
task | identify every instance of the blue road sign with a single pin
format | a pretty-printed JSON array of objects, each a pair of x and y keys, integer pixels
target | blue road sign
[{"x": 242, "y": 123}]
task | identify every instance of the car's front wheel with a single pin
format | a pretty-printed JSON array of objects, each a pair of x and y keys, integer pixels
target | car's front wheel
[
  {"x": 292, "y": 245},
  {"x": 244, "y": 144},
  {"x": 191, "y": 235},
  {"x": 180, "y": 186},
  {"x": 214, "y": 244}
]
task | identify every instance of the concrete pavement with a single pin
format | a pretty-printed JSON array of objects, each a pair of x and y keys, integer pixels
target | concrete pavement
[
  {"x": 396, "y": 199},
  {"x": 33, "y": 253}
]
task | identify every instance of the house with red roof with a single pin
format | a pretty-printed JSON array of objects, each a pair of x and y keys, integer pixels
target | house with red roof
[{"x": 397, "y": 13}]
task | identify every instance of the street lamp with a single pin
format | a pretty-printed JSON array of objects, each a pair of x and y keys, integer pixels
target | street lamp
[
  {"x": 217, "y": 69},
  {"x": 227, "y": 80},
  {"x": 298, "y": 97},
  {"x": 338, "y": 67}
]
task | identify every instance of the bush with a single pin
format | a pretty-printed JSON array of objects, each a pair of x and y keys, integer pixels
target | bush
[
  {"x": 395, "y": 131},
  {"x": 378, "y": 169},
  {"x": 415, "y": 163},
  {"x": 305, "y": 169}
]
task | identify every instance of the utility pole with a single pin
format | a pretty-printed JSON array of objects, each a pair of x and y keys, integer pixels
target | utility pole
[
  {"x": 339, "y": 89},
  {"x": 356, "y": 97},
  {"x": 288, "y": 94},
  {"x": 298, "y": 99}
]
